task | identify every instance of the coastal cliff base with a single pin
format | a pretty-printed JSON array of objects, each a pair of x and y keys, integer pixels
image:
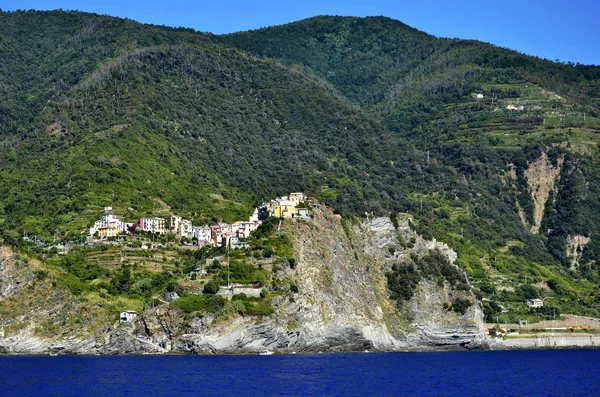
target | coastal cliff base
[{"x": 342, "y": 303}]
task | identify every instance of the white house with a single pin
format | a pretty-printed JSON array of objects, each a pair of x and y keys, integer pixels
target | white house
[
  {"x": 127, "y": 316},
  {"x": 245, "y": 228},
  {"x": 108, "y": 221},
  {"x": 202, "y": 234},
  {"x": 533, "y": 303},
  {"x": 153, "y": 225},
  {"x": 255, "y": 217},
  {"x": 296, "y": 198},
  {"x": 235, "y": 243},
  {"x": 302, "y": 213},
  {"x": 186, "y": 229}
]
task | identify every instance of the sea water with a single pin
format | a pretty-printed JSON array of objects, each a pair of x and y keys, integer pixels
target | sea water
[{"x": 464, "y": 373}]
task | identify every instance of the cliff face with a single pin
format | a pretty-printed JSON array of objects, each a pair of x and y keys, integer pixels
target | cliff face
[
  {"x": 342, "y": 301},
  {"x": 575, "y": 245},
  {"x": 541, "y": 177},
  {"x": 342, "y": 304}
]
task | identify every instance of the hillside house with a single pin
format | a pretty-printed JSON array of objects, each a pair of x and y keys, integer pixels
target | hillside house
[
  {"x": 235, "y": 243},
  {"x": 245, "y": 228},
  {"x": 255, "y": 217},
  {"x": 534, "y": 303},
  {"x": 202, "y": 234},
  {"x": 127, "y": 316},
  {"x": 153, "y": 225},
  {"x": 296, "y": 198},
  {"x": 173, "y": 223},
  {"x": 108, "y": 232},
  {"x": 108, "y": 221},
  {"x": 226, "y": 238},
  {"x": 284, "y": 209},
  {"x": 302, "y": 213},
  {"x": 186, "y": 229},
  {"x": 215, "y": 236}
]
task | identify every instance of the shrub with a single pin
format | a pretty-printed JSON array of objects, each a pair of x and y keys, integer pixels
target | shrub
[
  {"x": 460, "y": 305},
  {"x": 199, "y": 303},
  {"x": 231, "y": 308},
  {"x": 210, "y": 288},
  {"x": 259, "y": 308}
]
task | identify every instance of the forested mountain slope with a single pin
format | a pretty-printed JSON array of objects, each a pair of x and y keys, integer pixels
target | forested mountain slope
[
  {"x": 520, "y": 132},
  {"x": 490, "y": 151},
  {"x": 383, "y": 64},
  {"x": 103, "y": 116}
]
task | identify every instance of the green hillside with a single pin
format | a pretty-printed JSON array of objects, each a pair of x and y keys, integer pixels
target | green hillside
[
  {"x": 205, "y": 129},
  {"x": 506, "y": 124},
  {"x": 490, "y": 151}
]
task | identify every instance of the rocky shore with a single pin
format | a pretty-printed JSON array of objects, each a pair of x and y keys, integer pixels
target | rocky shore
[{"x": 342, "y": 304}]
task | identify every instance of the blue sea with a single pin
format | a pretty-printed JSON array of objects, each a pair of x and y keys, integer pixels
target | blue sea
[{"x": 478, "y": 373}]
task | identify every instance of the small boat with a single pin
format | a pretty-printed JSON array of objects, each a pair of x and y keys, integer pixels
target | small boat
[
  {"x": 266, "y": 353},
  {"x": 53, "y": 354}
]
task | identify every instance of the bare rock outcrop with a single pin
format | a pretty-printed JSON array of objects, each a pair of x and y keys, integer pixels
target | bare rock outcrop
[
  {"x": 541, "y": 177},
  {"x": 575, "y": 245},
  {"x": 342, "y": 302}
]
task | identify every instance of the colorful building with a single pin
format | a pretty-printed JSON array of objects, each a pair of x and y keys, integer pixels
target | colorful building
[{"x": 153, "y": 225}]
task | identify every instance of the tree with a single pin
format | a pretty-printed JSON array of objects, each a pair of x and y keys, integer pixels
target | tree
[
  {"x": 125, "y": 280},
  {"x": 210, "y": 288}
]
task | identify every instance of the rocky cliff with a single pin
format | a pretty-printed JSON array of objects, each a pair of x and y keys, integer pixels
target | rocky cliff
[
  {"x": 342, "y": 303},
  {"x": 541, "y": 178}
]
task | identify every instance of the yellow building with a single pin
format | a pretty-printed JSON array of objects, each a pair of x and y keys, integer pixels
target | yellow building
[
  {"x": 108, "y": 232},
  {"x": 284, "y": 209}
]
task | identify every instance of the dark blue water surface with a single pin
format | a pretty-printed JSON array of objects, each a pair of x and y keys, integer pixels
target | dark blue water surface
[{"x": 499, "y": 373}]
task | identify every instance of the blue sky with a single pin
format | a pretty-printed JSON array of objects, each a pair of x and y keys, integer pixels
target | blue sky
[{"x": 568, "y": 30}]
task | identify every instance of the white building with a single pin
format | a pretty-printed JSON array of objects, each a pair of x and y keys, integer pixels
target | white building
[
  {"x": 255, "y": 216},
  {"x": 202, "y": 234},
  {"x": 153, "y": 225},
  {"x": 302, "y": 213},
  {"x": 296, "y": 198},
  {"x": 108, "y": 221},
  {"x": 186, "y": 229},
  {"x": 127, "y": 316},
  {"x": 235, "y": 243},
  {"x": 533, "y": 303},
  {"x": 245, "y": 228}
]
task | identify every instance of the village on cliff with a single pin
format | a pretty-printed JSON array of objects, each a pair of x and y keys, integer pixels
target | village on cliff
[{"x": 109, "y": 226}]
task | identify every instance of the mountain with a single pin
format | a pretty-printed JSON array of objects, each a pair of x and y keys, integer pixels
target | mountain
[
  {"x": 387, "y": 67},
  {"x": 108, "y": 117},
  {"x": 519, "y": 132},
  {"x": 490, "y": 151}
]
